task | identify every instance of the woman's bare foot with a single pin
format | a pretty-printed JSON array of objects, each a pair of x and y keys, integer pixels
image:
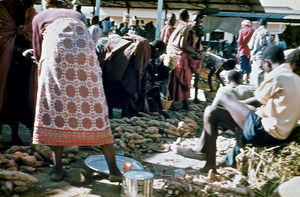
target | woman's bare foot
[
  {"x": 115, "y": 178},
  {"x": 57, "y": 176}
]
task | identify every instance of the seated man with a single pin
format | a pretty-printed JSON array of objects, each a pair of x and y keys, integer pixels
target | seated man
[{"x": 269, "y": 124}]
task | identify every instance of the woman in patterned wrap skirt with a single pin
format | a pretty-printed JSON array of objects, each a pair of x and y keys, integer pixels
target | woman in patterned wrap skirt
[{"x": 71, "y": 108}]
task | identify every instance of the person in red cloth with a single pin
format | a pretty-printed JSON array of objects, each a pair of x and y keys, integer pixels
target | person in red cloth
[
  {"x": 168, "y": 28},
  {"x": 71, "y": 108},
  {"x": 244, "y": 52},
  {"x": 183, "y": 42},
  {"x": 17, "y": 73}
]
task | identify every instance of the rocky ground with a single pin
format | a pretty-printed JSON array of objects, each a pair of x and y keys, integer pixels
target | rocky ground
[{"x": 153, "y": 141}]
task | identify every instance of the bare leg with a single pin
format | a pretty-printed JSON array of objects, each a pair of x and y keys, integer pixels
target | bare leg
[
  {"x": 115, "y": 174},
  {"x": 247, "y": 77},
  {"x": 219, "y": 77},
  {"x": 226, "y": 110},
  {"x": 209, "y": 77},
  {"x": 185, "y": 104},
  {"x": 196, "y": 100},
  {"x": 196, "y": 79},
  {"x": 15, "y": 138},
  {"x": 207, "y": 144},
  {"x": 58, "y": 173}
]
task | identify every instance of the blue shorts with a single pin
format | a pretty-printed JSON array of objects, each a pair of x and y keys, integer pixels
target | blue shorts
[
  {"x": 245, "y": 66},
  {"x": 255, "y": 133}
]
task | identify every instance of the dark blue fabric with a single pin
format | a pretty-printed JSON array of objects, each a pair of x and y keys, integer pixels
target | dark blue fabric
[
  {"x": 245, "y": 66},
  {"x": 229, "y": 159},
  {"x": 253, "y": 133}
]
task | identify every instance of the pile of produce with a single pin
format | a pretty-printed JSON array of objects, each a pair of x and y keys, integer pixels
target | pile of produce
[
  {"x": 18, "y": 163},
  {"x": 259, "y": 171},
  {"x": 268, "y": 167},
  {"x": 227, "y": 182},
  {"x": 132, "y": 134}
]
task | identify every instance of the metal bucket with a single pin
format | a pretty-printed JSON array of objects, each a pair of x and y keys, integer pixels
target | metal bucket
[{"x": 137, "y": 183}]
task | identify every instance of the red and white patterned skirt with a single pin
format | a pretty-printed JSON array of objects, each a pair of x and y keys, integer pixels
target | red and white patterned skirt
[{"x": 71, "y": 108}]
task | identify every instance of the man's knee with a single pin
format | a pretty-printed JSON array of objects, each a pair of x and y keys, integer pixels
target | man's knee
[{"x": 209, "y": 112}]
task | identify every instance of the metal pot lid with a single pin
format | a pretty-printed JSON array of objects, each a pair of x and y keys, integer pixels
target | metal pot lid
[
  {"x": 98, "y": 163},
  {"x": 138, "y": 174}
]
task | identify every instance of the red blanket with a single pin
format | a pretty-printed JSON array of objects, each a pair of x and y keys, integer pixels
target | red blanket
[{"x": 8, "y": 32}]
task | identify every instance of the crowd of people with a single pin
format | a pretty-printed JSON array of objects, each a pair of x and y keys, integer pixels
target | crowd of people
[
  {"x": 106, "y": 27},
  {"x": 66, "y": 97},
  {"x": 265, "y": 116}
]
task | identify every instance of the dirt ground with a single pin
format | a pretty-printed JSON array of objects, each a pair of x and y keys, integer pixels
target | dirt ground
[
  {"x": 162, "y": 164},
  {"x": 81, "y": 181}
]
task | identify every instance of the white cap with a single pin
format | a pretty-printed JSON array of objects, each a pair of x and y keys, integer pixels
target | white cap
[{"x": 245, "y": 23}]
